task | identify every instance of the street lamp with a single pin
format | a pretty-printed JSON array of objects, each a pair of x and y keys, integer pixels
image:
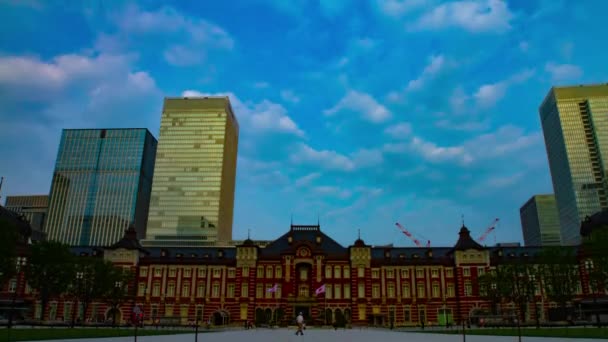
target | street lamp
[
  {"x": 21, "y": 261},
  {"x": 79, "y": 276}
]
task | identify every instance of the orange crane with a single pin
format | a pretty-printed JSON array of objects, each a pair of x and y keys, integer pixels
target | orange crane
[
  {"x": 409, "y": 235},
  {"x": 488, "y": 230}
]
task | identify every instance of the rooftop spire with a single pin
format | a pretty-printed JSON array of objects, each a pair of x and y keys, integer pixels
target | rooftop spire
[
  {"x": 248, "y": 233},
  {"x": 462, "y": 216},
  {"x": 359, "y": 234}
]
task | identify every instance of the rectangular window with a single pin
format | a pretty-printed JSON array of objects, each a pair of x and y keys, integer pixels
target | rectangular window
[
  {"x": 450, "y": 291},
  {"x": 337, "y": 291},
  {"x": 375, "y": 273},
  {"x": 405, "y": 289},
  {"x": 12, "y": 286},
  {"x": 171, "y": 290},
  {"x": 303, "y": 291},
  {"x": 468, "y": 289},
  {"x": 435, "y": 273},
  {"x": 187, "y": 273},
  {"x": 361, "y": 290},
  {"x": 328, "y": 293},
  {"x": 361, "y": 272},
  {"x": 269, "y": 272},
  {"x": 260, "y": 272},
  {"x": 466, "y": 271},
  {"x": 244, "y": 290},
  {"x": 243, "y": 312},
  {"x": 278, "y": 271},
  {"x": 245, "y": 271},
  {"x": 375, "y": 290},
  {"x": 158, "y": 272},
  {"x": 480, "y": 271},
  {"x": 230, "y": 291},
  {"x": 346, "y": 291},
  {"x": 186, "y": 290},
  {"x": 141, "y": 289},
  {"x": 200, "y": 290},
  {"x": 303, "y": 274},
  {"x": 277, "y": 294},
  {"x": 419, "y": 273},
  {"x": 362, "y": 316},
  {"x": 435, "y": 290},
  {"x": 407, "y": 316},
  {"x": 217, "y": 272},
  {"x": 156, "y": 289},
  {"x": 449, "y": 272},
  {"x": 346, "y": 272},
  {"x": 259, "y": 291},
  {"x": 337, "y": 273},
  {"x": 420, "y": 293},
  {"x": 143, "y": 272},
  {"x": 231, "y": 273},
  {"x": 328, "y": 272},
  {"x": 391, "y": 290},
  {"x": 169, "y": 310},
  {"x": 390, "y": 274},
  {"x": 202, "y": 273},
  {"x": 53, "y": 311},
  {"x": 67, "y": 312},
  {"x": 172, "y": 272},
  {"x": 405, "y": 273},
  {"x": 215, "y": 290}
]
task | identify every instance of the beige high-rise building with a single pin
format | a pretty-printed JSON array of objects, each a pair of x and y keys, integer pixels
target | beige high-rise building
[
  {"x": 540, "y": 221},
  {"x": 193, "y": 188},
  {"x": 575, "y": 126}
]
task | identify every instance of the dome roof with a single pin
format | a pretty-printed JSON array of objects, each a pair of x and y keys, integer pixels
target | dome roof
[
  {"x": 359, "y": 243},
  {"x": 248, "y": 242}
]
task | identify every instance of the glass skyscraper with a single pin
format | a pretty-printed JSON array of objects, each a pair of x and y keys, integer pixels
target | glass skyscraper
[
  {"x": 33, "y": 207},
  {"x": 540, "y": 221},
  {"x": 194, "y": 178},
  {"x": 575, "y": 126},
  {"x": 101, "y": 184}
]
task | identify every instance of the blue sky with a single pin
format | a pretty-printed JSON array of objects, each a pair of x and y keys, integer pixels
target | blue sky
[{"x": 361, "y": 113}]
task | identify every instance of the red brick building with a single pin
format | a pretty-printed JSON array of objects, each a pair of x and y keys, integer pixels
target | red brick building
[{"x": 364, "y": 285}]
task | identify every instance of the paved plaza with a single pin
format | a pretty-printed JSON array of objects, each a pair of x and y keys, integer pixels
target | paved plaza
[{"x": 317, "y": 335}]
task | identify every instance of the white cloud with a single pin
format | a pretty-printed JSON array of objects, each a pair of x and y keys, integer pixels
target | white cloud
[
  {"x": 433, "y": 153},
  {"x": 489, "y": 186},
  {"x": 290, "y": 96},
  {"x": 397, "y": 8},
  {"x": 505, "y": 141},
  {"x": 489, "y": 94},
  {"x": 566, "y": 49},
  {"x": 363, "y": 104},
  {"x": 367, "y": 157},
  {"x": 324, "y": 158},
  {"x": 468, "y": 126},
  {"x": 195, "y": 37},
  {"x": 435, "y": 65},
  {"x": 458, "y": 100},
  {"x": 306, "y": 180},
  {"x": 265, "y": 116},
  {"x": 332, "y": 191},
  {"x": 473, "y": 16},
  {"x": 563, "y": 72},
  {"x": 399, "y": 131},
  {"x": 261, "y": 85}
]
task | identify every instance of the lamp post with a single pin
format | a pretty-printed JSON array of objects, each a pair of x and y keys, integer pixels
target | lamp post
[
  {"x": 79, "y": 277},
  {"x": 21, "y": 261}
]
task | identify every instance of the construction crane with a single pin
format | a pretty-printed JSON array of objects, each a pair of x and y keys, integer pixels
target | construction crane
[
  {"x": 488, "y": 230},
  {"x": 409, "y": 235}
]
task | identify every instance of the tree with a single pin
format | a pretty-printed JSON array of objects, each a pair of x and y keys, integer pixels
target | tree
[
  {"x": 8, "y": 251},
  {"x": 559, "y": 270},
  {"x": 118, "y": 291},
  {"x": 50, "y": 270},
  {"x": 493, "y": 286},
  {"x": 519, "y": 285},
  {"x": 93, "y": 280}
]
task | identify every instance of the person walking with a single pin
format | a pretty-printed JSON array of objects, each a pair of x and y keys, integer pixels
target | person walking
[{"x": 300, "y": 322}]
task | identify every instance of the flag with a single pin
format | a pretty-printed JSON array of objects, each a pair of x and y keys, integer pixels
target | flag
[
  {"x": 273, "y": 289},
  {"x": 320, "y": 290}
]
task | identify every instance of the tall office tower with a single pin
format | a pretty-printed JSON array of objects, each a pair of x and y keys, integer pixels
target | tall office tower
[
  {"x": 101, "y": 184},
  {"x": 194, "y": 178},
  {"x": 540, "y": 221},
  {"x": 575, "y": 126},
  {"x": 33, "y": 207}
]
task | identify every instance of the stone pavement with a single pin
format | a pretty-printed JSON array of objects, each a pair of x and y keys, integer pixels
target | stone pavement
[{"x": 318, "y": 335}]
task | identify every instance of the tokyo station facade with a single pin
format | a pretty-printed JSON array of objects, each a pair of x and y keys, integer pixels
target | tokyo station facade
[{"x": 364, "y": 285}]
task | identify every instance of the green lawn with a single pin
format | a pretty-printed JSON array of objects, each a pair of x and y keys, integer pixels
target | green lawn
[
  {"x": 589, "y": 332},
  {"x": 22, "y": 334}
]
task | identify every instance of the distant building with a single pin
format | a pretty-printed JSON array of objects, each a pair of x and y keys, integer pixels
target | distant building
[
  {"x": 540, "y": 221},
  {"x": 192, "y": 198},
  {"x": 508, "y": 244},
  {"x": 34, "y": 208},
  {"x": 576, "y": 136},
  {"x": 101, "y": 184}
]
